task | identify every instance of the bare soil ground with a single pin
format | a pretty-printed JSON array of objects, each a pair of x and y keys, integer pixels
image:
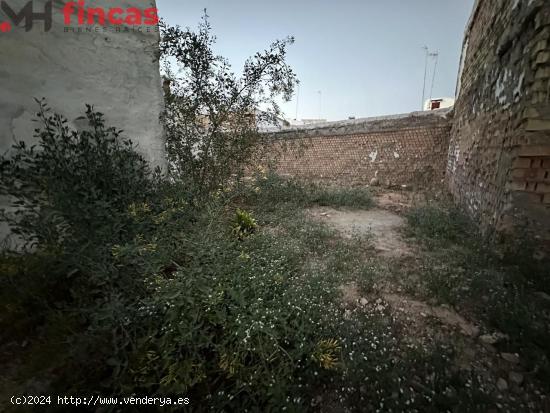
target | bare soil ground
[
  {"x": 381, "y": 224},
  {"x": 384, "y": 227}
]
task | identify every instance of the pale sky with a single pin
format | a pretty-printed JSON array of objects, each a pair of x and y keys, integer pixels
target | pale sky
[{"x": 365, "y": 56}]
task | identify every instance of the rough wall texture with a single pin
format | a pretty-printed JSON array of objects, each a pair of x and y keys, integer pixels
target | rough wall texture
[
  {"x": 116, "y": 71},
  {"x": 399, "y": 150},
  {"x": 499, "y": 154}
]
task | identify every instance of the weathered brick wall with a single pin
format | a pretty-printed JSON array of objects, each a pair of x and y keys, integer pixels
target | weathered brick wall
[
  {"x": 400, "y": 150},
  {"x": 499, "y": 154}
]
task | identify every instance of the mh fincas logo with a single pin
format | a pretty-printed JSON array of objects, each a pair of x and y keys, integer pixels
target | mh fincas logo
[{"x": 75, "y": 12}]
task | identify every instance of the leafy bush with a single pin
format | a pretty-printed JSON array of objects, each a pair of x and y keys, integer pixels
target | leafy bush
[
  {"x": 73, "y": 186},
  {"x": 78, "y": 197}
]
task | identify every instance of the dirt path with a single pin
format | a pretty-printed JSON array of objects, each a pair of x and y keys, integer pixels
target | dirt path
[
  {"x": 385, "y": 227},
  {"x": 381, "y": 224}
]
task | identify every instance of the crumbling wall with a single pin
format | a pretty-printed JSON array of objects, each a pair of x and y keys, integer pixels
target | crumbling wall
[
  {"x": 499, "y": 154},
  {"x": 408, "y": 149},
  {"x": 115, "y": 69}
]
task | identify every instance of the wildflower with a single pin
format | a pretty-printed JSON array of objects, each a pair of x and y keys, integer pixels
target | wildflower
[
  {"x": 244, "y": 256},
  {"x": 325, "y": 353},
  {"x": 228, "y": 364},
  {"x": 116, "y": 250},
  {"x": 138, "y": 209}
]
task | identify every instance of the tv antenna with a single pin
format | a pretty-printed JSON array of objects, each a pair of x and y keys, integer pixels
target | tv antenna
[
  {"x": 435, "y": 55},
  {"x": 428, "y": 55}
]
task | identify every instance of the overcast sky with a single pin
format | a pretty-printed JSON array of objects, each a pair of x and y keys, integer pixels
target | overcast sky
[{"x": 365, "y": 56}]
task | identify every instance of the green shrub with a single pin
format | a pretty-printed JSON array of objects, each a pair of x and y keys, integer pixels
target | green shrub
[
  {"x": 85, "y": 207},
  {"x": 244, "y": 224},
  {"x": 72, "y": 186}
]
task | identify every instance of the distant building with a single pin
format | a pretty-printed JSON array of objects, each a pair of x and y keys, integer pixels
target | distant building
[
  {"x": 438, "y": 103},
  {"x": 312, "y": 121},
  {"x": 302, "y": 122},
  {"x": 266, "y": 122}
]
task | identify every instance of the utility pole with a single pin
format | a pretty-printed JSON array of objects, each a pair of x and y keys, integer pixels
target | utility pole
[
  {"x": 297, "y": 99},
  {"x": 428, "y": 55},
  {"x": 436, "y": 56},
  {"x": 425, "y": 74}
]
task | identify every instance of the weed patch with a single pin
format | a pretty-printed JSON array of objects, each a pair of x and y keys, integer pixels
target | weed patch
[
  {"x": 437, "y": 224},
  {"x": 273, "y": 190},
  {"x": 496, "y": 289}
]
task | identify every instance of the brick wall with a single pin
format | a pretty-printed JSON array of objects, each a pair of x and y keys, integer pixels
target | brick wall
[
  {"x": 399, "y": 150},
  {"x": 499, "y": 153}
]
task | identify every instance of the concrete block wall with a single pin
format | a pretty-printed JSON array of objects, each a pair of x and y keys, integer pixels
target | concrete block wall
[
  {"x": 499, "y": 153},
  {"x": 409, "y": 149}
]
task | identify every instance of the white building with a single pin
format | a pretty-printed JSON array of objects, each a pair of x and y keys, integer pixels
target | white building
[{"x": 438, "y": 103}]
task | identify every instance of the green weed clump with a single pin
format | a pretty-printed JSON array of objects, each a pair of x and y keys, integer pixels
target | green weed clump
[
  {"x": 244, "y": 224},
  {"x": 439, "y": 223}
]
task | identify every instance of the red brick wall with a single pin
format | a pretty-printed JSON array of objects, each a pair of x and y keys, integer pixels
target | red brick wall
[{"x": 400, "y": 150}]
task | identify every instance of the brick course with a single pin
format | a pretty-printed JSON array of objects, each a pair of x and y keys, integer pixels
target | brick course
[{"x": 399, "y": 150}]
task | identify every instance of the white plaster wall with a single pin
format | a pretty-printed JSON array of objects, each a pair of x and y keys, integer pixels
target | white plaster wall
[{"x": 117, "y": 72}]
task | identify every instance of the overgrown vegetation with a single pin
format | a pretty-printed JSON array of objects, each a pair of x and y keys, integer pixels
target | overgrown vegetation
[
  {"x": 176, "y": 303},
  {"x": 128, "y": 282},
  {"x": 505, "y": 288},
  {"x": 220, "y": 289},
  {"x": 273, "y": 190},
  {"x": 212, "y": 115},
  {"x": 73, "y": 188},
  {"x": 439, "y": 224}
]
